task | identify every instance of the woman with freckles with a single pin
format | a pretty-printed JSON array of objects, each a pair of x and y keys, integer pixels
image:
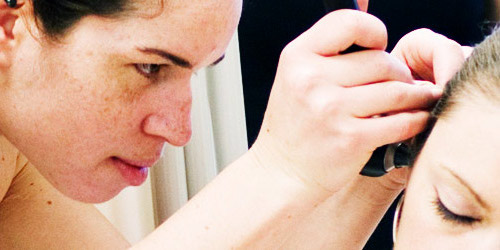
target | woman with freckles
[{"x": 90, "y": 91}]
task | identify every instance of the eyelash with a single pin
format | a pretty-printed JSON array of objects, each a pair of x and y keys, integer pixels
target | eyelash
[
  {"x": 155, "y": 71},
  {"x": 449, "y": 216}
]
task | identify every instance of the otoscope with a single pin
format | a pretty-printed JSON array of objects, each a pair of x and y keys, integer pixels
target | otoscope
[{"x": 388, "y": 157}]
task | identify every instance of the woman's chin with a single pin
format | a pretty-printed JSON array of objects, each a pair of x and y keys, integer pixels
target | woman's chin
[
  {"x": 99, "y": 196},
  {"x": 89, "y": 193}
]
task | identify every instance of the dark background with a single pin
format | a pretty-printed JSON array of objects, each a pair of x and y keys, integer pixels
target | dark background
[{"x": 268, "y": 25}]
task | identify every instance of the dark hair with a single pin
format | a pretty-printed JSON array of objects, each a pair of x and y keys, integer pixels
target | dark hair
[
  {"x": 56, "y": 17},
  {"x": 478, "y": 78}
]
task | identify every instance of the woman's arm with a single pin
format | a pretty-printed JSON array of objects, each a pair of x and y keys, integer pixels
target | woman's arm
[
  {"x": 247, "y": 206},
  {"x": 251, "y": 207},
  {"x": 358, "y": 208},
  {"x": 319, "y": 130}
]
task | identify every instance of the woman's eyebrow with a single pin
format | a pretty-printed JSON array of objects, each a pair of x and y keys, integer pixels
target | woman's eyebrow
[
  {"x": 218, "y": 60},
  {"x": 179, "y": 61},
  {"x": 471, "y": 190}
]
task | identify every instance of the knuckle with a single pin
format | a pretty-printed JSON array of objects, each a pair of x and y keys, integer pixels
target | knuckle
[
  {"x": 353, "y": 22},
  {"x": 351, "y": 19},
  {"x": 304, "y": 80},
  {"x": 356, "y": 22},
  {"x": 425, "y": 31},
  {"x": 410, "y": 126},
  {"x": 326, "y": 105},
  {"x": 385, "y": 64},
  {"x": 292, "y": 51},
  {"x": 287, "y": 52},
  {"x": 422, "y": 32},
  {"x": 343, "y": 15},
  {"x": 451, "y": 44},
  {"x": 307, "y": 76},
  {"x": 299, "y": 78},
  {"x": 288, "y": 48},
  {"x": 436, "y": 37},
  {"x": 350, "y": 137},
  {"x": 399, "y": 95},
  {"x": 405, "y": 129},
  {"x": 418, "y": 35}
]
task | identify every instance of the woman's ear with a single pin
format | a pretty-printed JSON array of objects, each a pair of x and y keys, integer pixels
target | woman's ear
[{"x": 8, "y": 17}]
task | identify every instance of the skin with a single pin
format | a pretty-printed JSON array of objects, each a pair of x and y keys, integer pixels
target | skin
[
  {"x": 108, "y": 104},
  {"x": 367, "y": 199},
  {"x": 457, "y": 144},
  {"x": 305, "y": 216},
  {"x": 59, "y": 102}
]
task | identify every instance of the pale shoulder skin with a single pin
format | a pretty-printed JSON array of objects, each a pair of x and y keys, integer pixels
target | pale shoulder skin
[
  {"x": 34, "y": 215},
  {"x": 315, "y": 139}
]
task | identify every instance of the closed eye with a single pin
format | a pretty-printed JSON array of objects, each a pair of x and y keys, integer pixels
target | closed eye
[{"x": 449, "y": 216}]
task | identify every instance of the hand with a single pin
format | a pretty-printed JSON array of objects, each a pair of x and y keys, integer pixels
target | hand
[
  {"x": 431, "y": 56},
  {"x": 328, "y": 112}
]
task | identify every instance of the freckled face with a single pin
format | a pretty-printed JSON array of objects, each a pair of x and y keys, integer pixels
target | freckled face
[
  {"x": 452, "y": 200},
  {"x": 93, "y": 111}
]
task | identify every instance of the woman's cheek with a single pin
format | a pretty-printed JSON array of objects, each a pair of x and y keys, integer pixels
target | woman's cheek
[{"x": 419, "y": 225}]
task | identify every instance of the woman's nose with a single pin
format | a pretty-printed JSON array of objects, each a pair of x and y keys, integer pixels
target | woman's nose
[{"x": 172, "y": 120}]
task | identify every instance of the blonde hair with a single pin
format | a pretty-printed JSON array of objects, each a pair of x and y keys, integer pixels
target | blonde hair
[{"x": 479, "y": 77}]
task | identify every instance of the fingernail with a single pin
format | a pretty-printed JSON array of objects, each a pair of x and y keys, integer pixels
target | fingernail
[{"x": 436, "y": 92}]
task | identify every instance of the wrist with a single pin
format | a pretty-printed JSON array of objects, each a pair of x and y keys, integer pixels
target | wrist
[
  {"x": 248, "y": 205},
  {"x": 357, "y": 209},
  {"x": 379, "y": 191},
  {"x": 276, "y": 164}
]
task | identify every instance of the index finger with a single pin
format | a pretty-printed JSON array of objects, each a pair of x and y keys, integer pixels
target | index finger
[
  {"x": 430, "y": 56},
  {"x": 341, "y": 29}
]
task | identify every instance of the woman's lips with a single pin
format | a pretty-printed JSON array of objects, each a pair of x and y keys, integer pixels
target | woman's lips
[{"x": 134, "y": 173}]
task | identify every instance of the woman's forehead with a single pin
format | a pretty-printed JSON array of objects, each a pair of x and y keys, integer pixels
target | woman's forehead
[
  {"x": 197, "y": 32},
  {"x": 468, "y": 143},
  {"x": 156, "y": 8},
  {"x": 191, "y": 27}
]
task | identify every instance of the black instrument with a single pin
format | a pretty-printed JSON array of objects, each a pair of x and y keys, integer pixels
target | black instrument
[{"x": 388, "y": 157}]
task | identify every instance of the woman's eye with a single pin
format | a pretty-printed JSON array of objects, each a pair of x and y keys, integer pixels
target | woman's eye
[
  {"x": 148, "y": 70},
  {"x": 449, "y": 216}
]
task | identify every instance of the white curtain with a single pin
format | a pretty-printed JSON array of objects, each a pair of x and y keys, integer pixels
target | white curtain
[{"x": 219, "y": 137}]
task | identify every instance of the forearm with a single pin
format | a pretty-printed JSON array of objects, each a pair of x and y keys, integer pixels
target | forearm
[
  {"x": 247, "y": 206},
  {"x": 250, "y": 206},
  {"x": 346, "y": 220}
]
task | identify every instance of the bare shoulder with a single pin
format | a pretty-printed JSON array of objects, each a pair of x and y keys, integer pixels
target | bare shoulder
[
  {"x": 8, "y": 165},
  {"x": 34, "y": 215}
]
